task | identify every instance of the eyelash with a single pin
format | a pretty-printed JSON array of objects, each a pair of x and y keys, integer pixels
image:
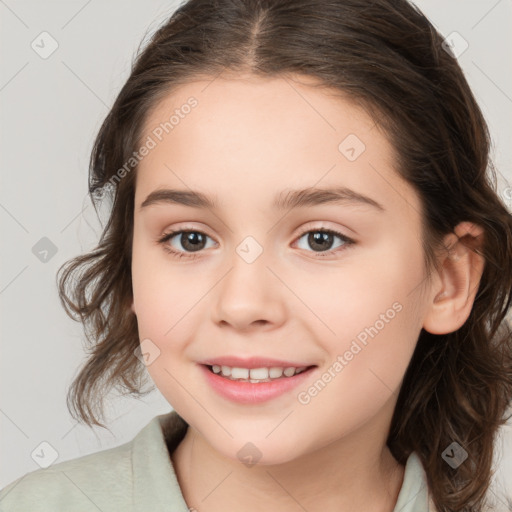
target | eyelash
[{"x": 180, "y": 254}]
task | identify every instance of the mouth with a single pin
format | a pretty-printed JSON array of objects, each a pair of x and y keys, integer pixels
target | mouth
[
  {"x": 238, "y": 386},
  {"x": 257, "y": 375}
]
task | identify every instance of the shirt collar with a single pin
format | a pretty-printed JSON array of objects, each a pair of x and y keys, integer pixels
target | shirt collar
[
  {"x": 414, "y": 495},
  {"x": 156, "y": 484}
]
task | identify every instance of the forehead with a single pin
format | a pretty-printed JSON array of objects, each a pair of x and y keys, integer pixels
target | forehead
[{"x": 248, "y": 137}]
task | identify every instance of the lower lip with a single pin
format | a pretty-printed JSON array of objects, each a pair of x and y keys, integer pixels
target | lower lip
[{"x": 253, "y": 392}]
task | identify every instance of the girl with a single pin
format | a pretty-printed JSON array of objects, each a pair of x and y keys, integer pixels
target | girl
[{"x": 307, "y": 255}]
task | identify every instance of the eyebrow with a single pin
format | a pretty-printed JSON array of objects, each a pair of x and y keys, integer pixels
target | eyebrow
[{"x": 287, "y": 199}]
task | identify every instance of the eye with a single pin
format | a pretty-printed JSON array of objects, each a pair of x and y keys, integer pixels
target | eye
[
  {"x": 192, "y": 241},
  {"x": 321, "y": 241}
]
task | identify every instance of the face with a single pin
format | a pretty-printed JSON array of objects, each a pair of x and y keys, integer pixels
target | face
[{"x": 332, "y": 284}]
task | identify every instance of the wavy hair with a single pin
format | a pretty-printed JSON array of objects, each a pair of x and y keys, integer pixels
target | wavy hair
[{"x": 388, "y": 58}]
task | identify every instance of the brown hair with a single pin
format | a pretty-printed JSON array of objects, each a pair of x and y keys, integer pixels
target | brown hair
[{"x": 386, "y": 56}]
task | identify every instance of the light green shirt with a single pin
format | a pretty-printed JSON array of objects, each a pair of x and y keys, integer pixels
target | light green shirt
[{"x": 139, "y": 476}]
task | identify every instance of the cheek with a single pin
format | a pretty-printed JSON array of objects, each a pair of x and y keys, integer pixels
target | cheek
[
  {"x": 371, "y": 320},
  {"x": 163, "y": 291},
  {"x": 349, "y": 298},
  {"x": 364, "y": 369},
  {"x": 166, "y": 300}
]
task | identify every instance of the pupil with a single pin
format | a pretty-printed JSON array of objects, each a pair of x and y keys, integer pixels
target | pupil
[
  {"x": 321, "y": 240},
  {"x": 193, "y": 238}
]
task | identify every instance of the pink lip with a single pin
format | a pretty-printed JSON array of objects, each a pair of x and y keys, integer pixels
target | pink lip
[
  {"x": 257, "y": 392},
  {"x": 252, "y": 362}
]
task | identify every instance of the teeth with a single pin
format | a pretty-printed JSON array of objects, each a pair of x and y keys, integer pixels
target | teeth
[
  {"x": 256, "y": 374},
  {"x": 275, "y": 373},
  {"x": 238, "y": 373},
  {"x": 289, "y": 371}
]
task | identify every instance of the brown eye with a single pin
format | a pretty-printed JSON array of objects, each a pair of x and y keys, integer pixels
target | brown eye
[
  {"x": 184, "y": 242},
  {"x": 192, "y": 240},
  {"x": 322, "y": 240}
]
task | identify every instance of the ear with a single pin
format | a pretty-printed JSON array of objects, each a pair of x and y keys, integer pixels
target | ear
[
  {"x": 457, "y": 281},
  {"x": 132, "y": 307}
]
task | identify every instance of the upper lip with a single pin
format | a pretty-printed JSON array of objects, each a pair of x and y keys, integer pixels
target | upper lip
[{"x": 252, "y": 362}]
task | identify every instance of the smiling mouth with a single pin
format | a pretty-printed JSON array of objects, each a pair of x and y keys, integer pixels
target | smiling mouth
[{"x": 257, "y": 375}]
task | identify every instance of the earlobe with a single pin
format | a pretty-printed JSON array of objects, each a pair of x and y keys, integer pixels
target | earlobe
[
  {"x": 459, "y": 277},
  {"x": 132, "y": 307}
]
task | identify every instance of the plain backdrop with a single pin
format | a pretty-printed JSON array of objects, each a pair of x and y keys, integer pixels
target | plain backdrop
[{"x": 51, "y": 109}]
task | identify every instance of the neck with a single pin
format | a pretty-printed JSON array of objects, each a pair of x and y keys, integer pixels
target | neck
[{"x": 356, "y": 472}]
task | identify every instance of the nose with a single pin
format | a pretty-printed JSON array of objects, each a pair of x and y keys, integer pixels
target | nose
[{"x": 249, "y": 296}]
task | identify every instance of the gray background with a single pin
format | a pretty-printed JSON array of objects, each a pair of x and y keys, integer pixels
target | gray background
[{"x": 51, "y": 109}]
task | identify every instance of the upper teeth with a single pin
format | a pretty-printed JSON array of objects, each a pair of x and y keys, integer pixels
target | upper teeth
[{"x": 256, "y": 373}]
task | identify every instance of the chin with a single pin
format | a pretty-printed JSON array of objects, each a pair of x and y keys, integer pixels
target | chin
[{"x": 250, "y": 451}]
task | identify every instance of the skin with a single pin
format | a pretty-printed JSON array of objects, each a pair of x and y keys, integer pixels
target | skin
[{"x": 247, "y": 139}]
